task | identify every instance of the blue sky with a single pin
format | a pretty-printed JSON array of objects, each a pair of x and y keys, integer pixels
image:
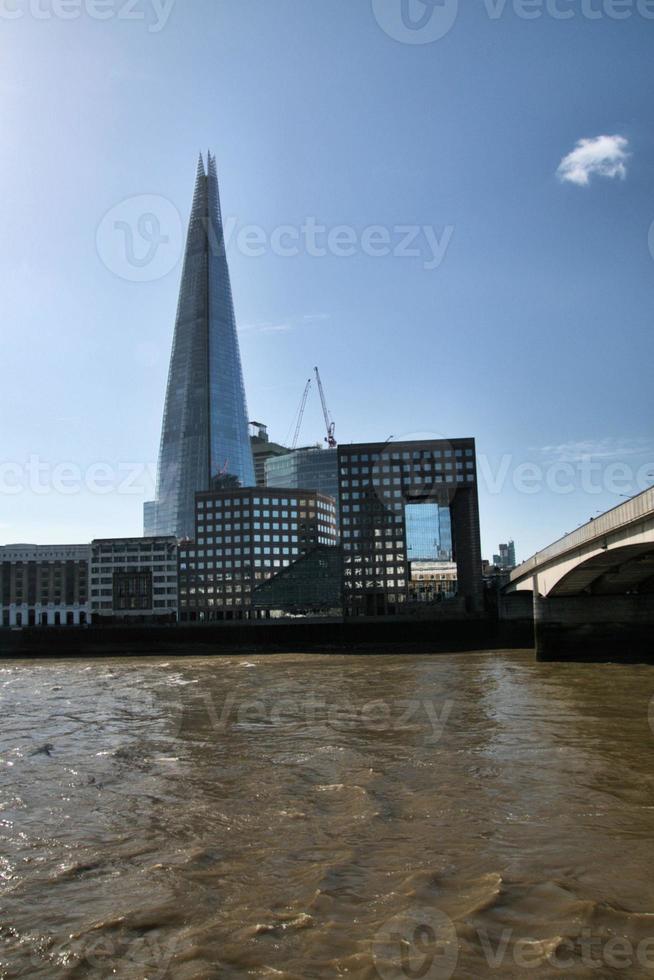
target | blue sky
[{"x": 533, "y": 334}]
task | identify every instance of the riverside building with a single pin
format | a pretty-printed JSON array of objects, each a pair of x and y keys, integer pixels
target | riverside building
[
  {"x": 134, "y": 580},
  {"x": 44, "y": 585},
  {"x": 404, "y": 505},
  {"x": 243, "y": 537}
]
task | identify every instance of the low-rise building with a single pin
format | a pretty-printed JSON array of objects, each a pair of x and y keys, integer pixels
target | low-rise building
[
  {"x": 432, "y": 581},
  {"x": 243, "y": 537},
  {"x": 44, "y": 585},
  {"x": 134, "y": 580}
]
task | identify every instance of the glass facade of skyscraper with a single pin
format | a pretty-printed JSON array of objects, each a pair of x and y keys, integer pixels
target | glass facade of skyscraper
[
  {"x": 305, "y": 469},
  {"x": 204, "y": 440}
]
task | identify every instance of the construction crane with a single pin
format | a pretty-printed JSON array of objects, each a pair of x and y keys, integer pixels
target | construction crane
[
  {"x": 329, "y": 424},
  {"x": 303, "y": 405}
]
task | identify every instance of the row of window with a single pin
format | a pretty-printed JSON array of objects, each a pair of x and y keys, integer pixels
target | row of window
[
  {"x": 171, "y": 593},
  {"x": 276, "y": 515},
  {"x": 106, "y": 564},
  {"x": 405, "y": 455},
  {"x": 293, "y": 504},
  {"x": 191, "y": 567},
  {"x": 388, "y": 483},
  {"x": 416, "y": 468},
  {"x": 157, "y": 604},
  {"x": 149, "y": 553},
  {"x": 108, "y": 579},
  {"x": 218, "y": 579},
  {"x": 46, "y": 601},
  {"x": 376, "y": 583}
]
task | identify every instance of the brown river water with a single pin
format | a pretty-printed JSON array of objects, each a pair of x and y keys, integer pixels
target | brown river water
[{"x": 467, "y": 815}]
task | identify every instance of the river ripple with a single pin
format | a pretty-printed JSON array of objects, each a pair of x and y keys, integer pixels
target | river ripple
[{"x": 464, "y": 815}]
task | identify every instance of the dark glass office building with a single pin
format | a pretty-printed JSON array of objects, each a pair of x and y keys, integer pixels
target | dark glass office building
[
  {"x": 405, "y": 506},
  {"x": 204, "y": 440}
]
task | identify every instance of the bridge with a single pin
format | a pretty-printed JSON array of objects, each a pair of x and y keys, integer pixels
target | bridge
[{"x": 593, "y": 589}]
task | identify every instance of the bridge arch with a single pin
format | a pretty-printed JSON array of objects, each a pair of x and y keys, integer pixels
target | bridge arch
[{"x": 612, "y": 571}]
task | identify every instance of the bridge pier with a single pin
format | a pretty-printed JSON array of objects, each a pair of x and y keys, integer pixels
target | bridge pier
[{"x": 594, "y": 627}]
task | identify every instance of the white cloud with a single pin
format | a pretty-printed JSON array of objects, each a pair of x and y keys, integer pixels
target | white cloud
[
  {"x": 605, "y": 449},
  {"x": 604, "y": 156}
]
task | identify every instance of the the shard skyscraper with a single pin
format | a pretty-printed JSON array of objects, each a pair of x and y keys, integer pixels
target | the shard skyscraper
[{"x": 204, "y": 436}]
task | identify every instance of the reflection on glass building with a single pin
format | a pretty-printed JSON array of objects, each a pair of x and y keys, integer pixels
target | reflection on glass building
[
  {"x": 428, "y": 532},
  {"x": 204, "y": 440},
  {"x": 305, "y": 469}
]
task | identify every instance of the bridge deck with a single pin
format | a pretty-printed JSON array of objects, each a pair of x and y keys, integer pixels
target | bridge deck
[{"x": 629, "y": 512}]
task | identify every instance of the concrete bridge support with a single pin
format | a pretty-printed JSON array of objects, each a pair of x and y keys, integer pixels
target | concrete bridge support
[{"x": 595, "y": 627}]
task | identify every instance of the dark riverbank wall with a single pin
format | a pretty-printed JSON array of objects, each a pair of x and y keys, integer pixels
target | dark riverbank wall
[
  {"x": 373, "y": 636},
  {"x": 595, "y": 628}
]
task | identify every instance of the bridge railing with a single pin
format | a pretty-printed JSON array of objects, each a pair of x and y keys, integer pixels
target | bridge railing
[{"x": 629, "y": 512}]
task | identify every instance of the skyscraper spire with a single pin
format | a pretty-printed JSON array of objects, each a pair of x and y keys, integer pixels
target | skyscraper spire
[{"x": 204, "y": 436}]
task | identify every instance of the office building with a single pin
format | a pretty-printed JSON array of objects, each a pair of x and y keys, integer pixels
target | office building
[
  {"x": 134, "y": 580},
  {"x": 204, "y": 436},
  {"x": 385, "y": 538},
  {"x": 506, "y": 558},
  {"x": 242, "y": 538},
  {"x": 262, "y": 450},
  {"x": 312, "y": 469},
  {"x": 45, "y": 585}
]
